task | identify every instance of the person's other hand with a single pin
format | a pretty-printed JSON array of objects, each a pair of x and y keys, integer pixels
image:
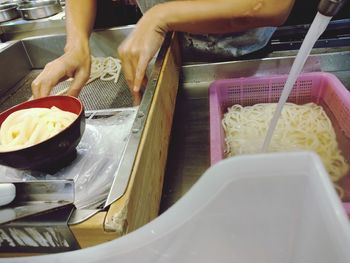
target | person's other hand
[
  {"x": 139, "y": 48},
  {"x": 75, "y": 63}
]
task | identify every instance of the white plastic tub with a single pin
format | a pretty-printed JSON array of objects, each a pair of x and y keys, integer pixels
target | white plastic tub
[{"x": 274, "y": 208}]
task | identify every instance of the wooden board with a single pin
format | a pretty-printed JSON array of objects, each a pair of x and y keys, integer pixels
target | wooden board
[
  {"x": 140, "y": 203},
  {"x": 92, "y": 232}
]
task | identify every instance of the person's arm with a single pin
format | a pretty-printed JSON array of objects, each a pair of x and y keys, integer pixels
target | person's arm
[
  {"x": 220, "y": 16},
  {"x": 198, "y": 17},
  {"x": 75, "y": 62},
  {"x": 80, "y": 18}
]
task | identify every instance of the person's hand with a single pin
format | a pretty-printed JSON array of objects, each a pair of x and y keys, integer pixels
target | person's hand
[
  {"x": 139, "y": 48},
  {"x": 75, "y": 63}
]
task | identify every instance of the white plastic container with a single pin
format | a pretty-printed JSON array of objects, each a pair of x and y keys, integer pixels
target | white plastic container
[{"x": 274, "y": 208}]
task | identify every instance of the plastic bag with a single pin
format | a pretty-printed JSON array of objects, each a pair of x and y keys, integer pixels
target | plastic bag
[{"x": 98, "y": 156}]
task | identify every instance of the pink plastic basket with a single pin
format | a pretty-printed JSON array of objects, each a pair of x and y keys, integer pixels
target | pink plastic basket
[{"x": 321, "y": 88}]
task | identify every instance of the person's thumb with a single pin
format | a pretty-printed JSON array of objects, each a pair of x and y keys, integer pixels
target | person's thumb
[{"x": 80, "y": 78}]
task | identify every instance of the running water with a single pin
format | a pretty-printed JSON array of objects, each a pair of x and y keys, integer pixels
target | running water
[{"x": 316, "y": 29}]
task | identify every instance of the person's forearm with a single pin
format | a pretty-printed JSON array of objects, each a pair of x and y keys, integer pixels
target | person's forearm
[
  {"x": 220, "y": 16},
  {"x": 80, "y": 18}
]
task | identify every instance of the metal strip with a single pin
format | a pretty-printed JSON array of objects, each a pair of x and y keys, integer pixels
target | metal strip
[
  {"x": 124, "y": 171},
  {"x": 195, "y": 74}
]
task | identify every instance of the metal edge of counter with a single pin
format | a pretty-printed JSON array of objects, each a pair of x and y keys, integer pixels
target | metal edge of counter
[{"x": 197, "y": 77}]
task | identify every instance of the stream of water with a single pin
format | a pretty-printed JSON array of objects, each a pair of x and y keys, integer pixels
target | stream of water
[{"x": 317, "y": 27}]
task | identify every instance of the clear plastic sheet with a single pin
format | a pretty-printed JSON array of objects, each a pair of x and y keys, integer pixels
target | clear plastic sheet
[{"x": 98, "y": 156}]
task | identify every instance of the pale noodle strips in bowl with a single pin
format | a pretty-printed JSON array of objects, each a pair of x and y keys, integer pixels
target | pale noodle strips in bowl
[
  {"x": 28, "y": 127},
  {"x": 300, "y": 127}
]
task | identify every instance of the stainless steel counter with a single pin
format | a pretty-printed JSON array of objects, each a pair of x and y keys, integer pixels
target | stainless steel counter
[{"x": 189, "y": 148}]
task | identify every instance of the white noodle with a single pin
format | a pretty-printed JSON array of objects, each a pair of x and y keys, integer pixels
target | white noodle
[
  {"x": 28, "y": 127},
  {"x": 103, "y": 68},
  {"x": 106, "y": 69},
  {"x": 300, "y": 127}
]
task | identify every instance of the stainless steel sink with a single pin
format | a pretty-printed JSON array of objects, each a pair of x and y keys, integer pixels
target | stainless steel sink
[{"x": 189, "y": 148}]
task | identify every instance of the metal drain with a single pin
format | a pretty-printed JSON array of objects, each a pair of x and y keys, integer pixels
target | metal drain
[
  {"x": 100, "y": 95},
  {"x": 97, "y": 95}
]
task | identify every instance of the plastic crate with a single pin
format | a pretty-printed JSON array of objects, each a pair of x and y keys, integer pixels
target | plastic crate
[
  {"x": 321, "y": 88},
  {"x": 287, "y": 217}
]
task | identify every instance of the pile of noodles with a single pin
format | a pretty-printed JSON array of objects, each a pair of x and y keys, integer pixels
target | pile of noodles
[
  {"x": 300, "y": 127},
  {"x": 102, "y": 68},
  {"x": 105, "y": 68}
]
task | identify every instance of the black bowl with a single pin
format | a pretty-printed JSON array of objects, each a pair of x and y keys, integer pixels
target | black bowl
[{"x": 54, "y": 153}]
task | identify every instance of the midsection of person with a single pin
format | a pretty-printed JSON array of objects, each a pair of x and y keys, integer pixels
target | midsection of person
[
  {"x": 221, "y": 46},
  {"x": 219, "y": 27}
]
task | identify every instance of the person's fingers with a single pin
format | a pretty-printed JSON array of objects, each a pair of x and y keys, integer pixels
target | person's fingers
[
  {"x": 129, "y": 72},
  {"x": 136, "y": 98},
  {"x": 36, "y": 88},
  {"x": 127, "y": 57},
  {"x": 80, "y": 78},
  {"x": 144, "y": 84},
  {"x": 47, "y": 79},
  {"x": 140, "y": 73}
]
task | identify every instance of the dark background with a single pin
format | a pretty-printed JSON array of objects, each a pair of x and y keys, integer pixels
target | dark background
[
  {"x": 304, "y": 11},
  {"x": 114, "y": 13},
  {"x": 111, "y": 13}
]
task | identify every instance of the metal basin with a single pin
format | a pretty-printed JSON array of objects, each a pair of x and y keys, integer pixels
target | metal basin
[
  {"x": 8, "y": 12},
  {"x": 39, "y": 9},
  {"x": 189, "y": 151}
]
